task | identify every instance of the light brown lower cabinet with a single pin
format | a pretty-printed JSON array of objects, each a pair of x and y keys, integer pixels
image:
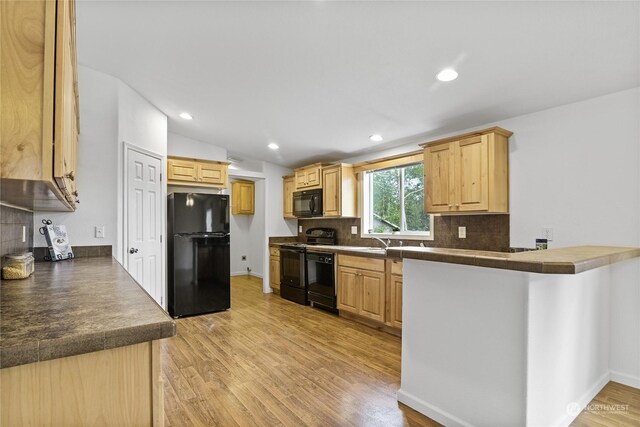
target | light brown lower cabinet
[
  {"x": 370, "y": 291},
  {"x": 274, "y": 269},
  {"x": 394, "y": 298},
  {"x": 361, "y": 286},
  {"x": 394, "y": 293},
  {"x": 120, "y": 386}
]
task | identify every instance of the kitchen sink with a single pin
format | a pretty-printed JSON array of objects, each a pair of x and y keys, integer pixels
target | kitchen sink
[{"x": 367, "y": 249}]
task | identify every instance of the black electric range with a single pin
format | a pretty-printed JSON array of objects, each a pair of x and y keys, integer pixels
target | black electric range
[{"x": 299, "y": 269}]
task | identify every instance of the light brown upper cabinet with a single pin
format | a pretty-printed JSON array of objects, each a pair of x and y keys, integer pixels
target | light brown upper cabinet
[
  {"x": 339, "y": 190},
  {"x": 39, "y": 124},
  {"x": 308, "y": 177},
  {"x": 242, "y": 197},
  {"x": 288, "y": 187},
  {"x": 197, "y": 172},
  {"x": 468, "y": 173}
]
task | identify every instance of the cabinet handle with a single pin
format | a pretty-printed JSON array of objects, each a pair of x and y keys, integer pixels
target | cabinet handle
[
  {"x": 75, "y": 193},
  {"x": 70, "y": 176}
]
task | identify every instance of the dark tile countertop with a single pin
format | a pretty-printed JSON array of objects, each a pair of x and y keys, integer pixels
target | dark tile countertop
[
  {"x": 74, "y": 307},
  {"x": 570, "y": 260}
]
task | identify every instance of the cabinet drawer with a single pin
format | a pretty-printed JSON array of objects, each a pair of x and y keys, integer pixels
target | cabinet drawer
[
  {"x": 396, "y": 268},
  {"x": 373, "y": 264},
  {"x": 274, "y": 251}
]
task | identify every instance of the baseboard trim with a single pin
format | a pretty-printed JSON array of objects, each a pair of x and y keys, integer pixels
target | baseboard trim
[
  {"x": 625, "y": 379},
  {"x": 444, "y": 417},
  {"x": 244, "y": 273},
  {"x": 585, "y": 399},
  {"x": 431, "y": 411}
]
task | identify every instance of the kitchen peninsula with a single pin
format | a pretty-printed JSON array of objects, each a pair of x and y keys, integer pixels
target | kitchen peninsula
[
  {"x": 79, "y": 345},
  {"x": 493, "y": 338}
]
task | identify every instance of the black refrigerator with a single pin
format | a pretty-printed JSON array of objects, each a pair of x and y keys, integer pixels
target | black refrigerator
[{"x": 198, "y": 253}]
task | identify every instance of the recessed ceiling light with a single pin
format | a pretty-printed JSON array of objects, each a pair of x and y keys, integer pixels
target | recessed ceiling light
[
  {"x": 186, "y": 116},
  {"x": 447, "y": 75},
  {"x": 273, "y": 146},
  {"x": 376, "y": 138}
]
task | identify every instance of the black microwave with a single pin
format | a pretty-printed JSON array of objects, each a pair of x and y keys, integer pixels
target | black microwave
[{"x": 307, "y": 203}]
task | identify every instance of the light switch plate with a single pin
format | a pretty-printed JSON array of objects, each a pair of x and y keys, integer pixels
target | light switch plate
[
  {"x": 547, "y": 233},
  {"x": 462, "y": 232},
  {"x": 24, "y": 233},
  {"x": 99, "y": 231},
  {"x": 299, "y": 229},
  {"x": 354, "y": 229}
]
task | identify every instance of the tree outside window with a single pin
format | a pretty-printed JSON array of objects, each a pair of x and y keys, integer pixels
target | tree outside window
[{"x": 394, "y": 201}]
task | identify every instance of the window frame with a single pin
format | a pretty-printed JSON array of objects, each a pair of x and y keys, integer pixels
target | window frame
[{"x": 364, "y": 204}]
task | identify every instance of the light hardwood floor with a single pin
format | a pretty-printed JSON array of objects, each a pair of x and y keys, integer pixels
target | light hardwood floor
[{"x": 268, "y": 361}]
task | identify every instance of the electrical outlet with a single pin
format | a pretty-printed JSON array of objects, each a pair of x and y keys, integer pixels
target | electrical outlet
[
  {"x": 99, "y": 232},
  {"x": 462, "y": 232},
  {"x": 24, "y": 233},
  {"x": 299, "y": 229},
  {"x": 547, "y": 233},
  {"x": 244, "y": 257},
  {"x": 354, "y": 229}
]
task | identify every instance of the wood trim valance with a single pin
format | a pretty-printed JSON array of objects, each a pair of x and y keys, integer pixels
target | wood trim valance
[
  {"x": 389, "y": 162},
  {"x": 495, "y": 129}
]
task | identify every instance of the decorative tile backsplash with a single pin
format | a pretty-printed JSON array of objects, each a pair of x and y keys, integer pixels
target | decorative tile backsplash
[
  {"x": 11, "y": 222},
  {"x": 484, "y": 232}
]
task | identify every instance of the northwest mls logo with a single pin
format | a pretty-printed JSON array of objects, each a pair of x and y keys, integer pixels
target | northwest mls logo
[{"x": 574, "y": 409}]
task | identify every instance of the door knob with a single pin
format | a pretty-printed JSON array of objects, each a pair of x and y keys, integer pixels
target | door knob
[{"x": 133, "y": 251}]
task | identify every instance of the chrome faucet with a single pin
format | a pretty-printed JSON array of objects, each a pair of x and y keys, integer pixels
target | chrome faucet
[{"x": 385, "y": 244}]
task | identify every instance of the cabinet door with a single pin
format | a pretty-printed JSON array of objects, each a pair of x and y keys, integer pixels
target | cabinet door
[
  {"x": 348, "y": 295},
  {"x": 308, "y": 178},
  {"x": 395, "y": 301},
  {"x": 213, "y": 173},
  {"x": 372, "y": 295},
  {"x": 242, "y": 198},
  {"x": 274, "y": 272},
  {"x": 439, "y": 178},
  {"x": 314, "y": 177},
  {"x": 246, "y": 198},
  {"x": 472, "y": 174},
  {"x": 331, "y": 191},
  {"x": 66, "y": 123},
  {"x": 287, "y": 197},
  {"x": 181, "y": 170},
  {"x": 301, "y": 179}
]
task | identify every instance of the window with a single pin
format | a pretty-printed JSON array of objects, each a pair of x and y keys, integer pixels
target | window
[{"x": 393, "y": 203}]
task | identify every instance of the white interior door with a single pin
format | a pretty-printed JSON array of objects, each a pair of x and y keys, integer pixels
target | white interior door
[{"x": 144, "y": 221}]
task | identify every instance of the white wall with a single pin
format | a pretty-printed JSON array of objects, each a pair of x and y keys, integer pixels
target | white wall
[
  {"x": 179, "y": 145},
  {"x": 276, "y": 224},
  {"x": 96, "y": 165}
]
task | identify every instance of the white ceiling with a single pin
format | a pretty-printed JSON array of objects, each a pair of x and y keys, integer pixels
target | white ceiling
[{"x": 319, "y": 77}]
